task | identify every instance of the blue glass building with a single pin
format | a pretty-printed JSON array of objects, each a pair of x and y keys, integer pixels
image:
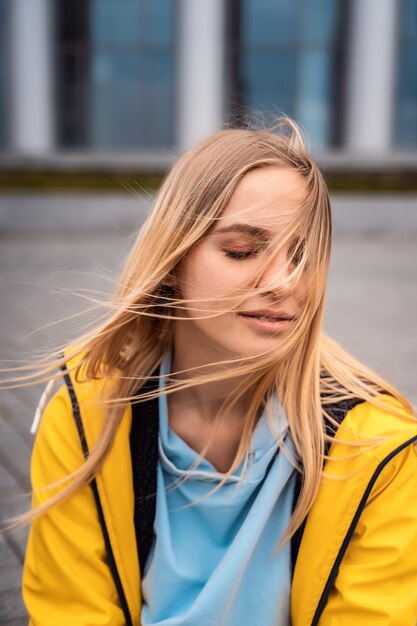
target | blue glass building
[
  {"x": 153, "y": 76},
  {"x": 406, "y": 114}
]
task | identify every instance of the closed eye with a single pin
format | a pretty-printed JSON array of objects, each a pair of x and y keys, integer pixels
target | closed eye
[{"x": 240, "y": 255}]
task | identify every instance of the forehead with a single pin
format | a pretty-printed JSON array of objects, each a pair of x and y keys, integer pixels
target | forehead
[{"x": 268, "y": 197}]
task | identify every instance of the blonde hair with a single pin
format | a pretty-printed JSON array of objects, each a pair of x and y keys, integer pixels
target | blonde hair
[{"x": 307, "y": 372}]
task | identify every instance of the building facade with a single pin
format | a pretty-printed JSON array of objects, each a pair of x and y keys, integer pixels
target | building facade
[{"x": 153, "y": 76}]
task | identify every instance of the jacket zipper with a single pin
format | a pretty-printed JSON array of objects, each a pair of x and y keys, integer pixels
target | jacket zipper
[
  {"x": 112, "y": 561},
  {"x": 336, "y": 565}
]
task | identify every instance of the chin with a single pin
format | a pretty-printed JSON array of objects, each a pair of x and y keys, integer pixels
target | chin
[{"x": 256, "y": 352}]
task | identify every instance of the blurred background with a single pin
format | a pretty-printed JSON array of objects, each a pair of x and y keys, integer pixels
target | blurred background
[
  {"x": 94, "y": 84},
  {"x": 97, "y": 100}
]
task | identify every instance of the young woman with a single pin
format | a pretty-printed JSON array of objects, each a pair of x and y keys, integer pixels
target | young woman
[{"x": 212, "y": 457}]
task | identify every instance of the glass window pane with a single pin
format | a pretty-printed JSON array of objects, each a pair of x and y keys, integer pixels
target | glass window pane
[
  {"x": 114, "y": 100},
  {"x": 115, "y": 22},
  {"x": 268, "y": 22},
  {"x": 406, "y": 121},
  {"x": 287, "y": 63},
  {"x": 319, "y": 20},
  {"x": 158, "y": 18},
  {"x": 269, "y": 81},
  {"x": 3, "y": 97},
  {"x": 157, "y": 121},
  {"x": 314, "y": 101},
  {"x": 408, "y": 23},
  {"x": 406, "y": 113},
  {"x": 131, "y": 73}
]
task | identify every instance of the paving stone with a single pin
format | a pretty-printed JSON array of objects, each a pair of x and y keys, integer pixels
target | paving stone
[
  {"x": 7, "y": 556},
  {"x": 11, "y": 605},
  {"x": 17, "y": 411},
  {"x": 15, "y": 455},
  {"x": 10, "y": 577},
  {"x": 371, "y": 304},
  {"x": 9, "y": 488}
]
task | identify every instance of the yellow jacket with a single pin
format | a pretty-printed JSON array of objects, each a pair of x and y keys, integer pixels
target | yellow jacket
[{"x": 357, "y": 562}]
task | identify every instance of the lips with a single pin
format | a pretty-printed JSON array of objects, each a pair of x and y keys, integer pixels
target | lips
[{"x": 267, "y": 314}]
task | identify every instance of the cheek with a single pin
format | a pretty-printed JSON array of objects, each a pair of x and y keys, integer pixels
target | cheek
[
  {"x": 302, "y": 290},
  {"x": 207, "y": 274}
]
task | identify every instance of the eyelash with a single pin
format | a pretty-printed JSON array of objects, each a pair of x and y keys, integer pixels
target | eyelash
[{"x": 240, "y": 256}]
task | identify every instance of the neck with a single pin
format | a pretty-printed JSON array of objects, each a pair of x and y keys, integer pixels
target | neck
[{"x": 210, "y": 397}]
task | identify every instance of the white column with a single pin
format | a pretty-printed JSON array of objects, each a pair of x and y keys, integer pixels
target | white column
[
  {"x": 201, "y": 63},
  {"x": 371, "y": 75},
  {"x": 31, "y": 94}
]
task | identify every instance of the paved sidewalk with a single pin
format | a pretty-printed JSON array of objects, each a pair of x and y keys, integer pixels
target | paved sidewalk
[{"x": 372, "y": 302}]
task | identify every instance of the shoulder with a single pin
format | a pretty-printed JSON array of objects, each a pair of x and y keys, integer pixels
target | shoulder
[
  {"x": 384, "y": 417},
  {"x": 70, "y": 425},
  {"x": 374, "y": 442},
  {"x": 78, "y": 399},
  {"x": 71, "y": 396},
  {"x": 366, "y": 508}
]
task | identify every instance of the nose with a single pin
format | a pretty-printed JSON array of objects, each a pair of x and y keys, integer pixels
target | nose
[{"x": 275, "y": 274}]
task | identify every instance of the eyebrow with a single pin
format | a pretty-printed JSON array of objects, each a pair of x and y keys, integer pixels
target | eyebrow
[{"x": 246, "y": 229}]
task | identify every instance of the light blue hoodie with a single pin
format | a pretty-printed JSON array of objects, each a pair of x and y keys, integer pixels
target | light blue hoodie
[{"x": 212, "y": 563}]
